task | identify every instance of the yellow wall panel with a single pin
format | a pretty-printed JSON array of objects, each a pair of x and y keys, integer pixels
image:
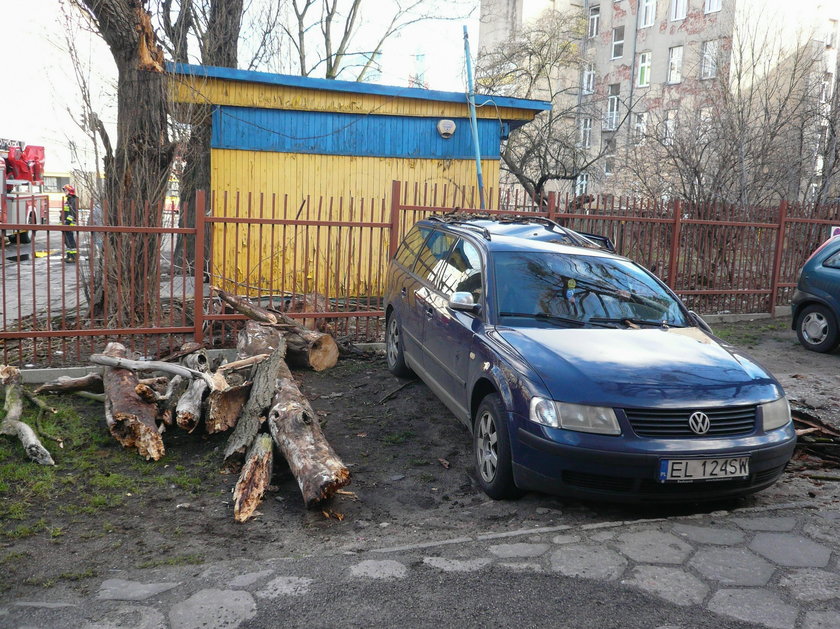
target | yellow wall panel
[
  {"x": 343, "y": 260},
  {"x": 188, "y": 89}
]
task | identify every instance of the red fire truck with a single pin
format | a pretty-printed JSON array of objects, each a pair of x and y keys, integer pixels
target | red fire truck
[{"x": 22, "y": 200}]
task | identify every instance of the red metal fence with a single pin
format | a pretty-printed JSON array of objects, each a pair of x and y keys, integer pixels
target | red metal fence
[{"x": 278, "y": 251}]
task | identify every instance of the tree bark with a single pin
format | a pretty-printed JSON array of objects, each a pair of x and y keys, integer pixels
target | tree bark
[
  {"x": 12, "y": 425},
  {"x": 137, "y": 171},
  {"x": 297, "y": 433},
  {"x": 254, "y": 479},
  {"x": 262, "y": 391},
  {"x": 130, "y": 420}
]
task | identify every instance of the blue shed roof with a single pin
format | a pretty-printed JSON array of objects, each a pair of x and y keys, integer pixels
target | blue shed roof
[{"x": 353, "y": 87}]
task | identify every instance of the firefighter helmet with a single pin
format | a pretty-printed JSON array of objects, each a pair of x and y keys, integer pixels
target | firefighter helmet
[{"x": 69, "y": 189}]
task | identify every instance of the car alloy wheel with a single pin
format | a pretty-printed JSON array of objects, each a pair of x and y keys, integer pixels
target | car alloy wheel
[
  {"x": 814, "y": 327},
  {"x": 394, "y": 350},
  {"x": 487, "y": 449}
]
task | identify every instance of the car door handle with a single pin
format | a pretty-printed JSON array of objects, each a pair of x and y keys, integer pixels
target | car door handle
[{"x": 429, "y": 312}]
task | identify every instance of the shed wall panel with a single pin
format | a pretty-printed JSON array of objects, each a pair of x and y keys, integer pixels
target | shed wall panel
[
  {"x": 302, "y": 186},
  {"x": 248, "y": 128}
]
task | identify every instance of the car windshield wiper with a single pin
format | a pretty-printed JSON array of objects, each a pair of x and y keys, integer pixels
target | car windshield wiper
[
  {"x": 542, "y": 316},
  {"x": 631, "y": 320}
]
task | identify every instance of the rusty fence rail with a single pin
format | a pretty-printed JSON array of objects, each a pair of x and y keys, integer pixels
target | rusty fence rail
[{"x": 324, "y": 261}]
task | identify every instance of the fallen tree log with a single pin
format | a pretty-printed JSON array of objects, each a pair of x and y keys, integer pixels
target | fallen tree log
[
  {"x": 188, "y": 409},
  {"x": 262, "y": 392},
  {"x": 12, "y": 424},
  {"x": 298, "y": 435},
  {"x": 224, "y": 407},
  {"x": 165, "y": 401},
  {"x": 92, "y": 383},
  {"x": 304, "y": 348},
  {"x": 310, "y": 302},
  {"x": 254, "y": 479},
  {"x": 130, "y": 419},
  {"x": 153, "y": 365}
]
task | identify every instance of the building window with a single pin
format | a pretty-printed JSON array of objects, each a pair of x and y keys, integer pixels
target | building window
[
  {"x": 825, "y": 87},
  {"x": 831, "y": 33},
  {"x": 708, "y": 61},
  {"x": 618, "y": 42},
  {"x": 581, "y": 184},
  {"x": 594, "y": 20},
  {"x": 711, "y": 6},
  {"x": 669, "y": 128},
  {"x": 585, "y": 132},
  {"x": 675, "y": 56},
  {"x": 609, "y": 156},
  {"x": 639, "y": 127},
  {"x": 679, "y": 8},
  {"x": 611, "y": 119},
  {"x": 648, "y": 16},
  {"x": 588, "y": 83},
  {"x": 644, "y": 70}
]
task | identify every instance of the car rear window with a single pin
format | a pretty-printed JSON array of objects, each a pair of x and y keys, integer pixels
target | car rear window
[{"x": 833, "y": 261}]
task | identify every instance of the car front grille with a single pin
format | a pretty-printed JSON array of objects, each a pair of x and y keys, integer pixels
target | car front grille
[{"x": 673, "y": 423}]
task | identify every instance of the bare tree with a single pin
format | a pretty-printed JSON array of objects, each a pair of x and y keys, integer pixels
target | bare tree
[
  {"x": 344, "y": 38},
  {"x": 544, "y": 61},
  {"x": 137, "y": 165},
  {"x": 747, "y": 137}
]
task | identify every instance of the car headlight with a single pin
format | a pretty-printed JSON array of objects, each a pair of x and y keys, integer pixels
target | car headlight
[
  {"x": 776, "y": 414},
  {"x": 579, "y": 417}
]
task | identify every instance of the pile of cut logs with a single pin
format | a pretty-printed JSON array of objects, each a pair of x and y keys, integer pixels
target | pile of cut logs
[{"x": 265, "y": 410}]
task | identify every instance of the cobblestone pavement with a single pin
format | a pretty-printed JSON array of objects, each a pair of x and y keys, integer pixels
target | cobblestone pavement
[{"x": 766, "y": 567}]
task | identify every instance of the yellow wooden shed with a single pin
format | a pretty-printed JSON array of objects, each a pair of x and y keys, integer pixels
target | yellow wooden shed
[{"x": 296, "y": 142}]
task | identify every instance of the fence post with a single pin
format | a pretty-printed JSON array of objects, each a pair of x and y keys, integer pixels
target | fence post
[
  {"x": 396, "y": 199},
  {"x": 552, "y": 205},
  {"x": 777, "y": 257},
  {"x": 675, "y": 246},
  {"x": 198, "y": 302}
]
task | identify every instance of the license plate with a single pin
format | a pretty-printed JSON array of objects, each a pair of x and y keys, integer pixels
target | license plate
[{"x": 703, "y": 469}]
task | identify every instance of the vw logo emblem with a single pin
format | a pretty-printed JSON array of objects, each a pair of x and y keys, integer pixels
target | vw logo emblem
[{"x": 699, "y": 423}]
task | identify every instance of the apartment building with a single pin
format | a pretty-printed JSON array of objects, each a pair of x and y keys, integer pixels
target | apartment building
[{"x": 665, "y": 77}]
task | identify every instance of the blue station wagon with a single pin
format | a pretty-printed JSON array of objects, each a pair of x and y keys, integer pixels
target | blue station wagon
[{"x": 577, "y": 371}]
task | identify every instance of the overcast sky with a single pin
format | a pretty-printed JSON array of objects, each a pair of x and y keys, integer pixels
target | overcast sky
[{"x": 40, "y": 84}]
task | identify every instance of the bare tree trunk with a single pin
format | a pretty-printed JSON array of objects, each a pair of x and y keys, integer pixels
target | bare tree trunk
[{"x": 138, "y": 171}]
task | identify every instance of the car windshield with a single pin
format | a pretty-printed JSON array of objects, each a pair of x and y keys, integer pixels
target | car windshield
[{"x": 580, "y": 290}]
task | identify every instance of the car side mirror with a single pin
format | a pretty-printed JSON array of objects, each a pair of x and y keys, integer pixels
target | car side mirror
[
  {"x": 700, "y": 323},
  {"x": 463, "y": 301}
]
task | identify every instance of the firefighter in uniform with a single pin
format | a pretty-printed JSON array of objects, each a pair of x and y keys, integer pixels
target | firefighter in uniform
[{"x": 69, "y": 215}]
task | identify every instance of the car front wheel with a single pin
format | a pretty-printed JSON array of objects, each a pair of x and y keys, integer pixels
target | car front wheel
[
  {"x": 394, "y": 348},
  {"x": 492, "y": 450},
  {"x": 816, "y": 328}
]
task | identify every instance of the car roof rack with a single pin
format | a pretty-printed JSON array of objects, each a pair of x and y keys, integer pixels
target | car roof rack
[{"x": 450, "y": 219}]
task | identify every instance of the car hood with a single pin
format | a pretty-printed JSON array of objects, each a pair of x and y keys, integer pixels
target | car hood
[{"x": 661, "y": 367}]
